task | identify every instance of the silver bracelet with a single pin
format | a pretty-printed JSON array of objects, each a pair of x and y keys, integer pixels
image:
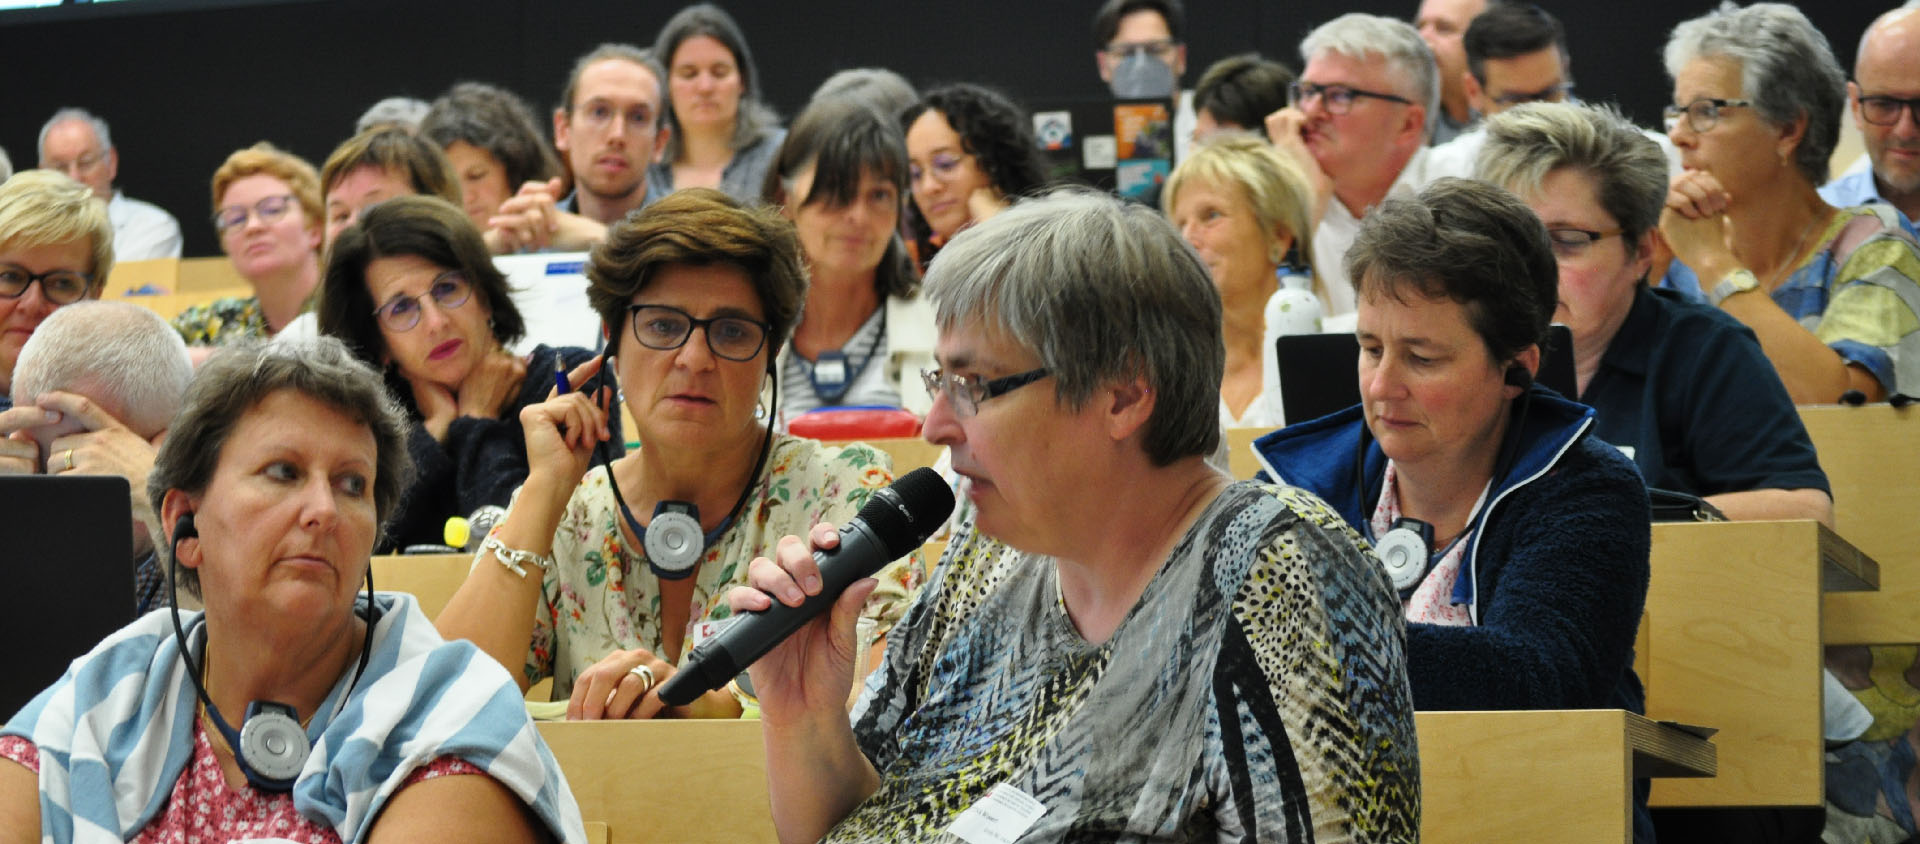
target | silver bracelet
[{"x": 515, "y": 559}]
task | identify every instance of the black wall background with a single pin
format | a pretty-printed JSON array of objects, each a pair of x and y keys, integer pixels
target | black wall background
[{"x": 183, "y": 88}]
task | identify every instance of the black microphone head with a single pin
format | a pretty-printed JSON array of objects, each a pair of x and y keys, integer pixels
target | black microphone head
[
  {"x": 1853, "y": 397},
  {"x": 905, "y": 513}
]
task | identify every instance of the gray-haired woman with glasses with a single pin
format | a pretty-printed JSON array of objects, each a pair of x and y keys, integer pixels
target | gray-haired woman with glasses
[
  {"x": 411, "y": 289},
  {"x": 1830, "y": 292},
  {"x": 1122, "y": 643},
  {"x": 604, "y": 574}
]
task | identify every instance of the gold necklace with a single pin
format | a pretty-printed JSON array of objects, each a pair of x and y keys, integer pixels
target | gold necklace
[{"x": 1793, "y": 258}]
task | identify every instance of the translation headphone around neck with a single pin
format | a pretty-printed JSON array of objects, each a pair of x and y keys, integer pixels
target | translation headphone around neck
[
  {"x": 673, "y": 541},
  {"x": 1406, "y": 549},
  {"x": 271, "y": 747}
]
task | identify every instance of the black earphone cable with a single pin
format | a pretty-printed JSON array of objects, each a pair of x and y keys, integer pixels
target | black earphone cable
[
  {"x": 183, "y": 528},
  {"x": 746, "y": 490}
]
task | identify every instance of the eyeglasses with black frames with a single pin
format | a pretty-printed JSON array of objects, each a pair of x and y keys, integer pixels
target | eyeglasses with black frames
[
  {"x": 1702, "y": 114},
  {"x": 1161, "y": 49},
  {"x": 1336, "y": 99},
  {"x": 665, "y": 327},
  {"x": 966, "y": 392},
  {"x": 61, "y": 287},
  {"x": 1569, "y": 243},
  {"x": 1885, "y": 111}
]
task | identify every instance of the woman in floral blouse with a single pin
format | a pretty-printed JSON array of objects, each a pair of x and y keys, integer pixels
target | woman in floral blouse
[
  {"x": 266, "y": 207},
  {"x": 696, "y": 292}
]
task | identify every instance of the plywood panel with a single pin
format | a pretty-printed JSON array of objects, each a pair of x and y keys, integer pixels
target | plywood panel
[
  {"x": 1872, "y": 458},
  {"x": 1733, "y": 613}
]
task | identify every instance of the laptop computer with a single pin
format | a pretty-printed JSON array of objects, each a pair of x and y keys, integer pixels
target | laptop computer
[
  {"x": 67, "y": 546},
  {"x": 1318, "y": 373}
]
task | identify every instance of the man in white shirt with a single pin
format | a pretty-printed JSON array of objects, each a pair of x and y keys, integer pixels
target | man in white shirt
[
  {"x": 1358, "y": 128},
  {"x": 78, "y": 144},
  {"x": 1885, "y": 98}
]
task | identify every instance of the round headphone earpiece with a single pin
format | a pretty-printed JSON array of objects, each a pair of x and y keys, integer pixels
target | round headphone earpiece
[
  {"x": 674, "y": 541},
  {"x": 1405, "y": 551},
  {"x": 183, "y": 527},
  {"x": 273, "y": 746}
]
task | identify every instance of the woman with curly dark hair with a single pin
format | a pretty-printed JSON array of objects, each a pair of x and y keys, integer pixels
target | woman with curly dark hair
[{"x": 970, "y": 153}]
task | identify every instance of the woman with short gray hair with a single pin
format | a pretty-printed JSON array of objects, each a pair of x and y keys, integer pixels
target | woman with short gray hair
[
  {"x": 1830, "y": 293},
  {"x": 1110, "y": 577}
]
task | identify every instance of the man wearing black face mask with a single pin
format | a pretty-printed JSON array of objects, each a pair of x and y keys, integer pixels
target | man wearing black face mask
[{"x": 1141, "y": 57}]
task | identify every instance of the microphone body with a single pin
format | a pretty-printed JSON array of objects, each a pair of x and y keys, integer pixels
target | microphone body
[{"x": 895, "y": 521}]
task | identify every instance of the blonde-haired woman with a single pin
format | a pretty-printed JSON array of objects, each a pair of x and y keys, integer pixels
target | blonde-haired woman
[
  {"x": 266, "y": 209},
  {"x": 1244, "y": 207}
]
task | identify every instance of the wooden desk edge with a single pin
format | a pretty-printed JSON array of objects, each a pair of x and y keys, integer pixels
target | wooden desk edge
[
  {"x": 1652, "y": 748},
  {"x": 1844, "y": 567},
  {"x": 1660, "y": 750}
]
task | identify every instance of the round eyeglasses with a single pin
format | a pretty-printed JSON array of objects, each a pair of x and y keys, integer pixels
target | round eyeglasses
[
  {"x": 269, "y": 209},
  {"x": 61, "y": 287},
  {"x": 449, "y": 290},
  {"x": 665, "y": 327}
]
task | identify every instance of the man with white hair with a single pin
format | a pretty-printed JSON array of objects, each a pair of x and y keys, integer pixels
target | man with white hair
[
  {"x": 1885, "y": 98},
  {"x": 1357, "y": 125},
  {"x": 94, "y": 391},
  {"x": 78, "y": 144}
]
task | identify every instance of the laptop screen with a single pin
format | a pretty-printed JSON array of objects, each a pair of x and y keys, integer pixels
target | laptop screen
[{"x": 68, "y": 549}]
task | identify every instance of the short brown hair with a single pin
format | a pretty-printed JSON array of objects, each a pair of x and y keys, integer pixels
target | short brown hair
[
  {"x": 396, "y": 151},
  {"x": 1470, "y": 242},
  {"x": 265, "y": 159},
  {"x": 700, "y": 226},
  {"x": 496, "y": 122},
  {"x": 426, "y": 227},
  {"x": 232, "y": 383}
]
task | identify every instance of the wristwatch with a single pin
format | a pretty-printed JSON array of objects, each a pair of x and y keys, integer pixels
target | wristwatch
[{"x": 1738, "y": 281}]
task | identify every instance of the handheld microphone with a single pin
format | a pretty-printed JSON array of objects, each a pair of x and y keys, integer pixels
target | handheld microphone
[{"x": 894, "y": 521}]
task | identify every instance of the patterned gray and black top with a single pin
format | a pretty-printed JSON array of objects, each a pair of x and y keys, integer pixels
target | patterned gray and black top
[{"x": 1257, "y": 692}]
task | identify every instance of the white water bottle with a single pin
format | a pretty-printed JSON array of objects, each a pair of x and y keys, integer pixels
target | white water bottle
[{"x": 1293, "y": 309}]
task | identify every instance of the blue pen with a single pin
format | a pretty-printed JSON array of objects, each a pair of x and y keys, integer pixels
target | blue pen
[{"x": 560, "y": 384}]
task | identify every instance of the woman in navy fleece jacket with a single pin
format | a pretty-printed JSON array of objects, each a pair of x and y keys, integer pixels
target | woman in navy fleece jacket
[{"x": 1532, "y": 589}]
